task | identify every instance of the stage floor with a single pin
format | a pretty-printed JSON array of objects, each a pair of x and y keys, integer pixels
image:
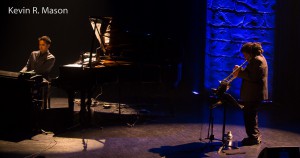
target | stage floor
[{"x": 176, "y": 128}]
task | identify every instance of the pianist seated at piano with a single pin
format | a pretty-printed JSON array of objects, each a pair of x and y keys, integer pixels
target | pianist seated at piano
[
  {"x": 39, "y": 65},
  {"x": 40, "y": 62}
]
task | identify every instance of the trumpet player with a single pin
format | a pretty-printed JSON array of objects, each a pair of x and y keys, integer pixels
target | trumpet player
[{"x": 254, "y": 89}]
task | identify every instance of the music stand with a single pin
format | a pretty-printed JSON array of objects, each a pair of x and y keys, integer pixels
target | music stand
[
  {"x": 222, "y": 99},
  {"x": 210, "y": 135}
]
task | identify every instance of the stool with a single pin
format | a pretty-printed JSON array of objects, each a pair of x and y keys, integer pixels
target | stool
[{"x": 45, "y": 90}]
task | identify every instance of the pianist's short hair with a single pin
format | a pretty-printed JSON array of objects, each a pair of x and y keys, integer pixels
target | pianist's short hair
[{"x": 46, "y": 39}]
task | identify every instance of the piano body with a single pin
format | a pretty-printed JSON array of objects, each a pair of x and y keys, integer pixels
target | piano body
[
  {"x": 19, "y": 100},
  {"x": 123, "y": 55}
]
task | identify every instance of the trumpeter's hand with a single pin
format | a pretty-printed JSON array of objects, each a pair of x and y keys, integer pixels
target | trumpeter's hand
[{"x": 236, "y": 70}]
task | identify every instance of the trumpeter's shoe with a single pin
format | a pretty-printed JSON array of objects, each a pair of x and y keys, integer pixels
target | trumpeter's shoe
[{"x": 251, "y": 141}]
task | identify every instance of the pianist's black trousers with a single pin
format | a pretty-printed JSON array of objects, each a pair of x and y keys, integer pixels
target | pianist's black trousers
[{"x": 251, "y": 119}]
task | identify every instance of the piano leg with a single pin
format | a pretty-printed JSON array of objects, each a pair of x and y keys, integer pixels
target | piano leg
[
  {"x": 88, "y": 105},
  {"x": 85, "y": 106},
  {"x": 71, "y": 98},
  {"x": 89, "y": 99},
  {"x": 82, "y": 101},
  {"x": 82, "y": 111}
]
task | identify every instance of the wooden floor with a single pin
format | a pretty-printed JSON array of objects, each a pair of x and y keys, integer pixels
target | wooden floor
[{"x": 176, "y": 128}]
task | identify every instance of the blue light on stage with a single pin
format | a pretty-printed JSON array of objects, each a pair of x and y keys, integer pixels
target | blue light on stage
[
  {"x": 230, "y": 24},
  {"x": 195, "y": 92}
]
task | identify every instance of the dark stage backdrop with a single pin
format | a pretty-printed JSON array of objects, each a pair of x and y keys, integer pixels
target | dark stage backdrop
[
  {"x": 286, "y": 59},
  {"x": 71, "y": 32}
]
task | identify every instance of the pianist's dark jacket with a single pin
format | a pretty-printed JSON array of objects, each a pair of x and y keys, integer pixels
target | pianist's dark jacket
[{"x": 40, "y": 63}]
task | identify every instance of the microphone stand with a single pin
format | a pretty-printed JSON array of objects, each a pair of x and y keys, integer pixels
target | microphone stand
[{"x": 225, "y": 142}]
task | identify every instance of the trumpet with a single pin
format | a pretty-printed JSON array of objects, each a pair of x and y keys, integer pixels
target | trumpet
[
  {"x": 231, "y": 77},
  {"x": 225, "y": 83}
]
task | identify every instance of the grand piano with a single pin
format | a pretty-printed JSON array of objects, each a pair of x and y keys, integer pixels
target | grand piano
[{"x": 122, "y": 55}]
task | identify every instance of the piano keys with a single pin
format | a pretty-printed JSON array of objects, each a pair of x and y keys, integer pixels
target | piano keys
[{"x": 9, "y": 74}]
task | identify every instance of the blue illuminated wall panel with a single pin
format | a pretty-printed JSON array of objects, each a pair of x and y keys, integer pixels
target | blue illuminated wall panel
[{"x": 230, "y": 23}]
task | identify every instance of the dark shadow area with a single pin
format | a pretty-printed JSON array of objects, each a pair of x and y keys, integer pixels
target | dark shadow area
[
  {"x": 191, "y": 150},
  {"x": 16, "y": 114},
  {"x": 56, "y": 119},
  {"x": 197, "y": 150}
]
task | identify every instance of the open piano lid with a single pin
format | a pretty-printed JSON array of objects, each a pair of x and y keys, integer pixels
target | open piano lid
[
  {"x": 101, "y": 27},
  {"x": 120, "y": 39}
]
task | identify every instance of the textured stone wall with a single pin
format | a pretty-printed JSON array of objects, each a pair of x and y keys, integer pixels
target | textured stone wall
[{"x": 230, "y": 23}]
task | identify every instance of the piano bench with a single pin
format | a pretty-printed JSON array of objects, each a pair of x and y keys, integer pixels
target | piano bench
[{"x": 45, "y": 91}]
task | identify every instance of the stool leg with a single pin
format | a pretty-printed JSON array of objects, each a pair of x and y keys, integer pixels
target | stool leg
[
  {"x": 49, "y": 102},
  {"x": 45, "y": 93}
]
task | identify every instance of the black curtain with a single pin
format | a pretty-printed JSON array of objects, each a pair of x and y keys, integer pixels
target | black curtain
[{"x": 287, "y": 46}]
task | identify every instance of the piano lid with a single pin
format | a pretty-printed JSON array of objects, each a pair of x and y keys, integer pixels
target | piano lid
[
  {"x": 101, "y": 27},
  {"x": 120, "y": 39}
]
